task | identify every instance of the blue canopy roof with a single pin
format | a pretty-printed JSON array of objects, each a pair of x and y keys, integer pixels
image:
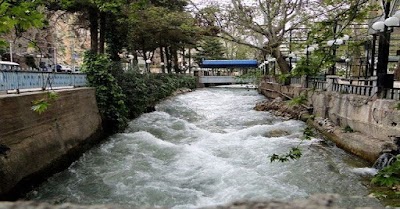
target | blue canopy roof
[{"x": 229, "y": 64}]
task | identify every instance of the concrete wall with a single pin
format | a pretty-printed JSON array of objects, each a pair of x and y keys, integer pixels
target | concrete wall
[
  {"x": 34, "y": 145},
  {"x": 373, "y": 117}
]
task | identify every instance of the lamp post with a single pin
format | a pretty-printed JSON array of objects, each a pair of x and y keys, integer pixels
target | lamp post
[
  {"x": 308, "y": 51},
  {"x": 266, "y": 67},
  {"x": 272, "y": 61},
  {"x": 335, "y": 43},
  {"x": 11, "y": 52},
  {"x": 148, "y": 62},
  {"x": 382, "y": 28},
  {"x": 347, "y": 74},
  {"x": 291, "y": 56}
]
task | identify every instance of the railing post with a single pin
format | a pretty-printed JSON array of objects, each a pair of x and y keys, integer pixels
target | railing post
[
  {"x": 304, "y": 81},
  {"x": 331, "y": 80},
  {"x": 374, "y": 81}
]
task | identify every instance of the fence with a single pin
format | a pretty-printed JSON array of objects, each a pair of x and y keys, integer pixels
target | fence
[
  {"x": 18, "y": 80},
  {"x": 353, "y": 85},
  {"x": 393, "y": 93},
  {"x": 353, "y": 89}
]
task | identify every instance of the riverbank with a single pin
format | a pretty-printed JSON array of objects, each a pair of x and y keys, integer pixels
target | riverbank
[
  {"x": 357, "y": 124},
  {"x": 352, "y": 141},
  {"x": 34, "y": 146},
  {"x": 316, "y": 201},
  {"x": 360, "y": 125},
  {"x": 345, "y": 138}
]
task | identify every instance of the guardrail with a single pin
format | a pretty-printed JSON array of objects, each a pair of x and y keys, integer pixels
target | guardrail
[
  {"x": 393, "y": 93},
  {"x": 18, "y": 80},
  {"x": 352, "y": 89},
  {"x": 295, "y": 80}
]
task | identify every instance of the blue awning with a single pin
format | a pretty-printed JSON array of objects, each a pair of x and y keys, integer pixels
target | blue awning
[{"x": 229, "y": 64}]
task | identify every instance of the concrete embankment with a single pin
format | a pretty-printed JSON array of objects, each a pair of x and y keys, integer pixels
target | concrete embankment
[
  {"x": 322, "y": 201},
  {"x": 34, "y": 146},
  {"x": 374, "y": 121}
]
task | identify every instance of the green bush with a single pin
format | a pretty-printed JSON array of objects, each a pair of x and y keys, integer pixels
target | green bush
[
  {"x": 123, "y": 95},
  {"x": 144, "y": 91},
  {"x": 389, "y": 175},
  {"x": 109, "y": 95}
]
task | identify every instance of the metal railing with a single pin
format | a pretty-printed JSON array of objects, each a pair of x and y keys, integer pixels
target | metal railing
[
  {"x": 393, "y": 93},
  {"x": 355, "y": 85},
  {"x": 295, "y": 80},
  {"x": 317, "y": 84},
  {"x": 352, "y": 89},
  {"x": 18, "y": 80}
]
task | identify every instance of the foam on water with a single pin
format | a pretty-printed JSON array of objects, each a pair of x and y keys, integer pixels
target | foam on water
[{"x": 203, "y": 148}]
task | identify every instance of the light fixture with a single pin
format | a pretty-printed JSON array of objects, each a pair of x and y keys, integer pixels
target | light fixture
[
  {"x": 378, "y": 26},
  {"x": 397, "y": 14},
  {"x": 311, "y": 49},
  {"x": 392, "y": 21},
  {"x": 339, "y": 41},
  {"x": 345, "y": 37},
  {"x": 330, "y": 42}
]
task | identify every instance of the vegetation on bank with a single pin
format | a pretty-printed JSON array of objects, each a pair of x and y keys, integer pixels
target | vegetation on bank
[{"x": 123, "y": 95}]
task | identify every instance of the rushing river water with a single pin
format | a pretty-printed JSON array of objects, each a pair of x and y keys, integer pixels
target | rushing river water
[{"x": 204, "y": 148}]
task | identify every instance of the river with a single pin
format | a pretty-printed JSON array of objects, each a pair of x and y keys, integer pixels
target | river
[{"x": 204, "y": 148}]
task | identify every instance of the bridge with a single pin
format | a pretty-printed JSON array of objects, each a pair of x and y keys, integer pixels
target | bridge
[
  {"x": 225, "y": 73},
  {"x": 224, "y": 80}
]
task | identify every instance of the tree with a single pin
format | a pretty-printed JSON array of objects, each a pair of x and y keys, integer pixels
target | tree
[
  {"x": 272, "y": 20},
  {"x": 210, "y": 48},
  {"x": 19, "y": 16},
  {"x": 96, "y": 12},
  {"x": 152, "y": 27}
]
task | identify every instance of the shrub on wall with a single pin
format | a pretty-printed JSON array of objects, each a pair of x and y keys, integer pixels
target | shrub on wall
[
  {"x": 127, "y": 94},
  {"x": 144, "y": 91},
  {"x": 109, "y": 95}
]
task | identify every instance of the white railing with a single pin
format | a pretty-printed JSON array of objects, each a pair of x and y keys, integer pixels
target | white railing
[
  {"x": 223, "y": 79},
  {"x": 18, "y": 80}
]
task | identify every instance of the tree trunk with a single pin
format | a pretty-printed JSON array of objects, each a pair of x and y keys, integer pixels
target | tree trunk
[
  {"x": 162, "y": 59},
  {"x": 94, "y": 26},
  {"x": 282, "y": 63},
  {"x": 174, "y": 53},
  {"x": 102, "y": 40},
  {"x": 168, "y": 56},
  {"x": 190, "y": 60}
]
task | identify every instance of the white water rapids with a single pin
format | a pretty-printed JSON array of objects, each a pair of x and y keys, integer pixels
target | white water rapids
[{"x": 205, "y": 148}]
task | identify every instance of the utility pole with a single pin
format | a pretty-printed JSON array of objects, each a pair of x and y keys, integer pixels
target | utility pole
[{"x": 11, "y": 52}]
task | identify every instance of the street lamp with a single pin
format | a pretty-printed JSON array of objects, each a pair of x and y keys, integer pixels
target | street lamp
[
  {"x": 308, "y": 51},
  {"x": 291, "y": 56},
  {"x": 335, "y": 43},
  {"x": 148, "y": 62},
  {"x": 382, "y": 29},
  {"x": 266, "y": 67},
  {"x": 272, "y": 60},
  {"x": 347, "y": 60}
]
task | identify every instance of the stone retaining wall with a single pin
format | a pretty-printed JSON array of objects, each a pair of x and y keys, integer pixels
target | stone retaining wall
[
  {"x": 33, "y": 145},
  {"x": 376, "y": 119}
]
